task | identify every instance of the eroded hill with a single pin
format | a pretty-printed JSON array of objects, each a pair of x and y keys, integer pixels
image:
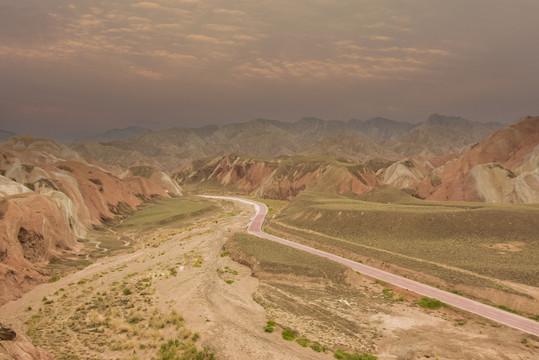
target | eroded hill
[{"x": 50, "y": 196}]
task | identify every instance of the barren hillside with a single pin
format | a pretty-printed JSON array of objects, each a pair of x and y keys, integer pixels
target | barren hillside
[{"x": 50, "y": 196}]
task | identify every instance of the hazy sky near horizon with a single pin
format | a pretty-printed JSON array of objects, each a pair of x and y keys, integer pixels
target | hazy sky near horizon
[{"x": 77, "y": 67}]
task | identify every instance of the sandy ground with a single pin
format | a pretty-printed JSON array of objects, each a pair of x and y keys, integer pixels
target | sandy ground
[{"x": 230, "y": 321}]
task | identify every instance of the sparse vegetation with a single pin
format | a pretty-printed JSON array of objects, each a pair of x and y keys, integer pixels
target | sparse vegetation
[
  {"x": 343, "y": 355},
  {"x": 303, "y": 342},
  {"x": 166, "y": 212},
  {"x": 430, "y": 303},
  {"x": 111, "y": 321},
  {"x": 316, "y": 346},
  {"x": 419, "y": 234},
  {"x": 288, "y": 334},
  {"x": 269, "y": 326},
  {"x": 143, "y": 171},
  {"x": 54, "y": 278},
  {"x": 268, "y": 329}
]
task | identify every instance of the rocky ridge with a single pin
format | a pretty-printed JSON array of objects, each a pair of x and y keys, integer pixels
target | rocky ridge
[
  {"x": 501, "y": 168},
  {"x": 354, "y": 140},
  {"x": 50, "y": 196}
]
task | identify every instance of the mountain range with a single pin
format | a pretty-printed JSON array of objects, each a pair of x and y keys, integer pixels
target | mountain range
[
  {"x": 356, "y": 140},
  {"x": 504, "y": 167}
]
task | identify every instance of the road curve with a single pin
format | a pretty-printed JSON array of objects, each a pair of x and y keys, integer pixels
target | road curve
[{"x": 518, "y": 322}]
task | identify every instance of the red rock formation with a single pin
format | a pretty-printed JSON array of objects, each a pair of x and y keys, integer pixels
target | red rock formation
[
  {"x": 49, "y": 196},
  {"x": 470, "y": 176}
]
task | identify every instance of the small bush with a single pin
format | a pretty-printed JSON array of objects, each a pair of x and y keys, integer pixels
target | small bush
[
  {"x": 343, "y": 355},
  {"x": 507, "y": 308},
  {"x": 127, "y": 291},
  {"x": 303, "y": 342},
  {"x": 288, "y": 334},
  {"x": 84, "y": 264},
  {"x": 55, "y": 278},
  {"x": 271, "y": 323},
  {"x": 316, "y": 346},
  {"x": 388, "y": 293},
  {"x": 268, "y": 329},
  {"x": 430, "y": 303}
]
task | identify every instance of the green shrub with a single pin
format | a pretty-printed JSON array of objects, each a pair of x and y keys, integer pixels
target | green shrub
[
  {"x": 127, "y": 291},
  {"x": 430, "y": 303},
  {"x": 271, "y": 323},
  {"x": 303, "y": 342},
  {"x": 176, "y": 350},
  {"x": 55, "y": 278},
  {"x": 343, "y": 355},
  {"x": 288, "y": 334},
  {"x": 507, "y": 308},
  {"x": 268, "y": 329},
  {"x": 388, "y": 293},
  {"x": 316, "y": 346}
]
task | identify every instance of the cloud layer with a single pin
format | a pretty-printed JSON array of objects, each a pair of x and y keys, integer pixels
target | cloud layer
[{"x": 91, "y": 65}]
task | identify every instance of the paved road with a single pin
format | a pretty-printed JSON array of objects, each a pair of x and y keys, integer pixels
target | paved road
[{"x": 518, "y": 322}]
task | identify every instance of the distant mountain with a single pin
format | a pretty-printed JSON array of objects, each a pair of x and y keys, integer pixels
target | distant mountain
[
  {"x": 353, "y": 140},
  {"x": 4, "y": 134},
  {"x": 504, "y": 167},
  {"x": 380, "y": 129},
  {"x": 114, "y": 134}
]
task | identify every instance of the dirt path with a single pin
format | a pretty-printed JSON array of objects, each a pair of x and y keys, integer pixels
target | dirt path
[{"x": 503, "y": 317}]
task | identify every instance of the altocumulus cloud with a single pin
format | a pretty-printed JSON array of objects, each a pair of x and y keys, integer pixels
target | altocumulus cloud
[{"x": 164, "y": 62}]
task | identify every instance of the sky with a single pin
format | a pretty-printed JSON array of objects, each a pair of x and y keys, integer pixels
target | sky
[{"x": 71, "y": 68}]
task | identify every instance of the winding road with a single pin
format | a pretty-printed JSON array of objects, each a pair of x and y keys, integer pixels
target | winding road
[{"x": 518, "y": 322}]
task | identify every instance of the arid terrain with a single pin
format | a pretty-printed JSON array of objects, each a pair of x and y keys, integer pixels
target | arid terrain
[
  {"x": 200, "y": 282},
  {"x": 102, "y": 261}
]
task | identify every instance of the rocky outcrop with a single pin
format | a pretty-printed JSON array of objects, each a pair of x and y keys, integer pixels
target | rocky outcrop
[
  {"x": 410, "y": 172},
  {"x": 502, "y": 168},
  {"x": 21, "y": 348},
  {"x": 49, "y": 196},
  {"x": 7, "y": 333}
]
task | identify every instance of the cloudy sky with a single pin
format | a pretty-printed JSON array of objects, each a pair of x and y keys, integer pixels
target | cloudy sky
[{"x": 74, "y": 67}]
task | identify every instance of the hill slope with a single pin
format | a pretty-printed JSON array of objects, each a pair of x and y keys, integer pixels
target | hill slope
[
  {"x": 502, "y": 168},
  {"x": 283, "y": 177},
  {"x": 49, "y": 196}
]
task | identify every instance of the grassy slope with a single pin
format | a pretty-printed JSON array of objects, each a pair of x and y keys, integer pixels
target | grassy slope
[
  {"x": 166, "y": 212},
  {"x": 456, "y": 234},
  {"x": 280, "y": 259}
]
